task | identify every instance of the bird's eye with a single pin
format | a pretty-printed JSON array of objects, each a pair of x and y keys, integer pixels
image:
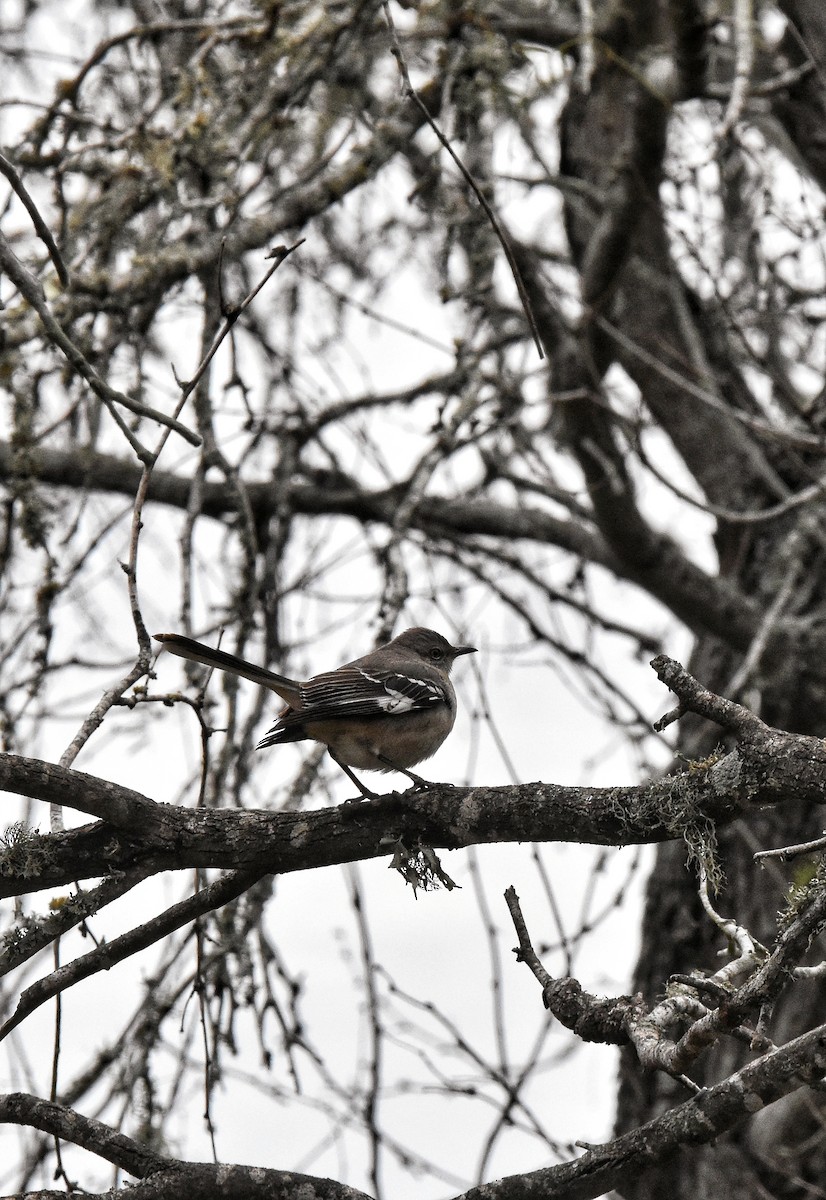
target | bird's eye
[{"x": 437, "y": 654}]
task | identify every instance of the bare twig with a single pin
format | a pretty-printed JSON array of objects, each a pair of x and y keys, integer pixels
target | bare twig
[
  {"x": 141, "y": 666},
  {"x": 42, "y": 229},
  {"x": 792, "y": 553},
  {"x": 786, "y": 853},
  {"x": 109, "y": 953},
  {"x": 231, "y": 316},
  {"x": 744, "y": 40},
  {"x": 525, "y": 952},
  {"x": 496, "y": 224},
  {"x": 30, "y": 288}
]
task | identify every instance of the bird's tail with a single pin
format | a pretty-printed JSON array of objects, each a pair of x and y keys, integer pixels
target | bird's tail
[{"x": 184, "y": 647}]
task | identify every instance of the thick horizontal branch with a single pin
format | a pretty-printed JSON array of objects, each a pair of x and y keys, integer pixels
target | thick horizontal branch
[
  {"x": 706, "y": 603},
  {"x": 769, "y": 767},
  {"x": 442, "y": 817}
]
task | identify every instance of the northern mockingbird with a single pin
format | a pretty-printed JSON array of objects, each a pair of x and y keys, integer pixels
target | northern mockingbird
[{"x": 386, "y": 711}]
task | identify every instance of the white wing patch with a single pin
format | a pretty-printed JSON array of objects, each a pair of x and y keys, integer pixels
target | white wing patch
[
  {"x": 416, "y": 693},
  {"x": 351, "y": 693}
]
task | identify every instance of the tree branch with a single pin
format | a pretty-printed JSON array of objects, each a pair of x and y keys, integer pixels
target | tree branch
[
  {"x": 31, "y": 290},
  {"x": 19, "y": 1108},
  {"x": 175, "y": 838},
  {"x": 697, "y": 1122},
  {"x": 107, "y": 954},
  {"x": 767, "y": 767},
  {"x": 704, "y": 602}
]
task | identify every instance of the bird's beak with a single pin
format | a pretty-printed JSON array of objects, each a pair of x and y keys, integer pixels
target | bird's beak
[{"x": 457, "y": 650}]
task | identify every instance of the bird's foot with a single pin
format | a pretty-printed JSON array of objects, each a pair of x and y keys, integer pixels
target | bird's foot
[
  {"x": 366, "y": 794},
  {"x": 425, "y": 785}
]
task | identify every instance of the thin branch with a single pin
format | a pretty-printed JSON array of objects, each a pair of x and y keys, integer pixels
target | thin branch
[
  {"x": 697, "y": 699},
  {"x": 30, "y": 288},
  {"x": 745, "y": 36},
  {"x": 525, "y": 952},
  {"x": 21, "y": 1109},
  {"x": 496, "y": 224},
  {"x": 278, "y": 254},
  {"x": 42, "y": 229},
  {"x": 22, "y": 944},
  {"x": 141, "y": 667},
  {"x": 107, "y": 954},
  {"x": 786, "y": 853}
]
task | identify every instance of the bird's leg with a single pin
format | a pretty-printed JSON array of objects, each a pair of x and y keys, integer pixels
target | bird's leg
[
  {"x": 419, "y": 784},
  {"x": 366, "y": 794}
]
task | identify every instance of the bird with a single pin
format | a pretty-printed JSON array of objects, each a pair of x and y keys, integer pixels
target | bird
[{"x": 386, "y": 711}]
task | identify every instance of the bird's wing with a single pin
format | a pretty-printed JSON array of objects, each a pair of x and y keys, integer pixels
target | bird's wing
[
  {"x": 356, "y": 692},
  {"x": 352, "y": 692}
]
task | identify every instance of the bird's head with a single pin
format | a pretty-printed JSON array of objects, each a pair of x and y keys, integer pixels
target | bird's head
[{"x": 431, "y": 647}]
